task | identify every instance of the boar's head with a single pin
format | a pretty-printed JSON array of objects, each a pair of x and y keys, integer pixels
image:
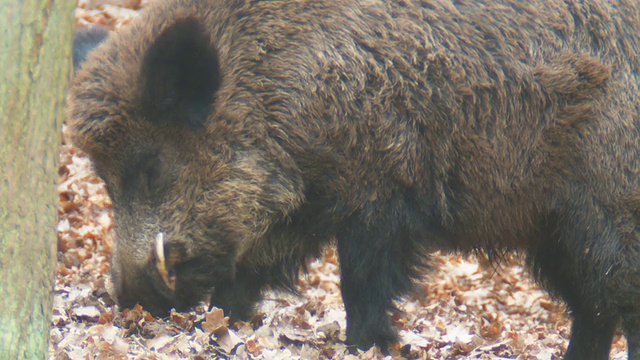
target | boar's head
[{"x": 191, "y": 173}]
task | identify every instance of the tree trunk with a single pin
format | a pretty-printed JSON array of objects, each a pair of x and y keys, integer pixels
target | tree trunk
[{"x": 35, "y": 64}]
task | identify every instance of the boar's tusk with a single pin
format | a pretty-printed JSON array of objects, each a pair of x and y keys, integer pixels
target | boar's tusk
[{"x": 161, "y": 264}]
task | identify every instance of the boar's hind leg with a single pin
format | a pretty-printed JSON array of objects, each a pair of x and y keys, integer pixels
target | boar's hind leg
[
  {"x": 631, "y": 325},
  {"x": 628, "y": 298},
  {"x": 580, "y": 259},
  {"x": 377, "y": 267}
]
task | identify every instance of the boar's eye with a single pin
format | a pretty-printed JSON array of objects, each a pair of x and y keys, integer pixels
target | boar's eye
[{"x": 148, "y": 178}]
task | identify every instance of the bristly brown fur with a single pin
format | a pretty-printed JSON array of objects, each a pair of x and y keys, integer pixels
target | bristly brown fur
[{"x": 251, "y": 133}]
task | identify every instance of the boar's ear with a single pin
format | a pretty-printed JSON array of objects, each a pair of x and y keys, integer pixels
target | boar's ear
[
  {"x": 180, "y": 75},
  {"x": 85, "y": 40}
]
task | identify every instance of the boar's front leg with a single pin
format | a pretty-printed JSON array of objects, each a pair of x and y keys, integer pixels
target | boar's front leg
[
  {"x": 239, "y": 296},
  {"x": 377, "y": 266}
]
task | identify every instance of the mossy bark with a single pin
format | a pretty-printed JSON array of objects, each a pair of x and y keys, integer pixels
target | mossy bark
[{"x": 35, "y": 65}]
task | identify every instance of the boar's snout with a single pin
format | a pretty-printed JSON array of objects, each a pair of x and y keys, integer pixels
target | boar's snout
[
  {"x": 167, "y": 277},
  {"x": 130, "y": 291},
  {"x": 149, "y": 281}
]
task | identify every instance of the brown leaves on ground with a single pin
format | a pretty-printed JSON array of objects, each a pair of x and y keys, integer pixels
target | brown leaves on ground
[{"x": 217, "y": 326}]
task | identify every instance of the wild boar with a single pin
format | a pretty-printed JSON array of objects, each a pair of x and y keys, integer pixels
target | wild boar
[{"x": 237, "y": 137}]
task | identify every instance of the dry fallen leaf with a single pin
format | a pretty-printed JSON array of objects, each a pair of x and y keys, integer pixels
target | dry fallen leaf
[
  {"x": 226, "y": 339},
  {"x": 215, "y": 321},
  {"x": 87, "y": 313}
]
